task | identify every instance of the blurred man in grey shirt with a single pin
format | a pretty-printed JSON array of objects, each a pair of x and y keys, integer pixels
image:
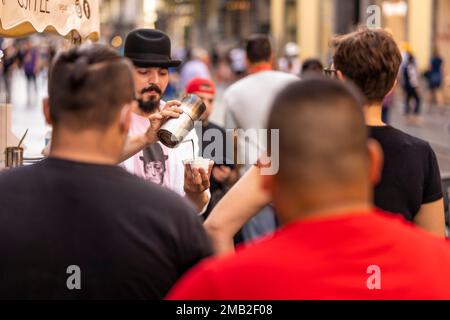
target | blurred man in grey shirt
[{"x": 247, "y": 105}]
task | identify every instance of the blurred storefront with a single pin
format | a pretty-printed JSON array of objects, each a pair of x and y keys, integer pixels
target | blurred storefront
[
  {"x": 199, "y": 23},
  {"x": 442, "y": 39},
  {"x": 215, "y": 24}
]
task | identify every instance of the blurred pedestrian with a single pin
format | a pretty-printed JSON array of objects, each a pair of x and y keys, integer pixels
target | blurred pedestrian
[
  {"x": 334, "y": 244},
  {"x": 434, "y": 77},
  {"x": 410, "y": 78},
  {"x": 88, "y": 229},
  {"x": 238, "y": 62},
  {"x": 291, "y": 62},
  {"x": 197, "y": 66},
  {"x": 214, "y": 143},
  {"x": 312, "y": 67},
  {"x": 30, "y": 67},
  {"x": 9, "y": 62},
  {"x": 247, "y": 104}
]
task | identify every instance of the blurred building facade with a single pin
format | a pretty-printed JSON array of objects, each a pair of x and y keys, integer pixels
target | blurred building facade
[{"x": 422, "y": 24}]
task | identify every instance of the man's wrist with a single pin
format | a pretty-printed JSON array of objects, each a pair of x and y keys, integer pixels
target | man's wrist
[
  {"x": 149, "y": 139},
  {"x": 200, "y": 199},
  {"x": 195, "y": 194}
]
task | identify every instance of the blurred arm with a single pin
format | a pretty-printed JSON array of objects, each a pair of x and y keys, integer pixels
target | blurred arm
[
  {"x": 236, "y": 208},
  {"x": 431, "y": 217},
  {"x": 133, "y": 145}
]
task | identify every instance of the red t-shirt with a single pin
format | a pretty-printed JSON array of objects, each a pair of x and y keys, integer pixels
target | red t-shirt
[{"x": 356, "y": 256}]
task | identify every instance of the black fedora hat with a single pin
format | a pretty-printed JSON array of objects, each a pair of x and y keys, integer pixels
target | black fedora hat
[{"x": 149, "y": 48}]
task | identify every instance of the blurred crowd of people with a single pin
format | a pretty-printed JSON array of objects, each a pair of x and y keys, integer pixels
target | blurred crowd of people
[{"x": 30, "y": 56}]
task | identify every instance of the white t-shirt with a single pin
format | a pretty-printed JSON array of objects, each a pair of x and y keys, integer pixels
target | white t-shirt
[
  {"x": 247, "y": 106},
  {"x": 158, "y": 163}
]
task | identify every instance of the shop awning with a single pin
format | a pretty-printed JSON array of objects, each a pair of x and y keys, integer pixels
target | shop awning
[{"x": 69, "y": 18}]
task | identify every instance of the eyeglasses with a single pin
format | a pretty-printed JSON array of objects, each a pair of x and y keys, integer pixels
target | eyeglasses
[{"x": 330, "y": 72}]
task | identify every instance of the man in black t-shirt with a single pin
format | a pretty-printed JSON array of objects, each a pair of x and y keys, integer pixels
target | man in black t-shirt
[
  {"x": 76, "y": 226},
  {"x": 410, "y": 184},
  {"x": 215, "y": 143}
]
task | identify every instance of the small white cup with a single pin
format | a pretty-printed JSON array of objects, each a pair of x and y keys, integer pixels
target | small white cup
[{"x": 198, "y": 163}]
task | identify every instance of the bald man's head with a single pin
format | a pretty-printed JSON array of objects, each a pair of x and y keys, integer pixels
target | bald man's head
[{"x": 323, "y": 138}]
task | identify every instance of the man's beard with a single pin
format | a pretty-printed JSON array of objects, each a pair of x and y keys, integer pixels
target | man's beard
[
  {"x": 149, "y": 106},
  {"x": 153, "y": 104}
]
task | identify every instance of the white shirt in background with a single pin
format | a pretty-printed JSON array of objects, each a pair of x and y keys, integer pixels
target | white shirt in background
[{"x": 248, "y": 102}]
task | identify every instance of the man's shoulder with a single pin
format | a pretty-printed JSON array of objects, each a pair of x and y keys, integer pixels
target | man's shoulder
[
  {"x": 20, "y": 175},
  {"x": 256, "y": 79},
  {"x": 394, "y": 136},
  {"x": 259, "y": 81},
  {"x": 404, "y": 233},
  {"x": 247, "y": 256}
]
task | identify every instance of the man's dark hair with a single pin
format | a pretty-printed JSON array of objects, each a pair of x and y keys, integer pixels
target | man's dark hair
[
  {"x": 322, "y": 133},
  {"x": 258, "y": 48},
  {"x": 371, "y": 59},
  {"x": 313, "y": 66},
  {"x": 88, "y": 85}
]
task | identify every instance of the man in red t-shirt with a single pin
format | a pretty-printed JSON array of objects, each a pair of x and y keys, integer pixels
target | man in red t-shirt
[{"x": 334, "y": 244}]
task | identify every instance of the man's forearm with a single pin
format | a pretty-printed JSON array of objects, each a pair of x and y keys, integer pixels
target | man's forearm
[
  {"x": 200, "y": 200},
  {"x": 134, "y": 145}
]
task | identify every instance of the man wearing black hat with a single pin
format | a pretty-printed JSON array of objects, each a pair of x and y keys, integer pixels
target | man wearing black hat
[{"x": 150, "y": 52}]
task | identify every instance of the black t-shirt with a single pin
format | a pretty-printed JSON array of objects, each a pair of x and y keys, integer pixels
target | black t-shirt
[
  {"x": 218, "y": 150},
  {"x": 130, "y": 239},
  {"x": 410, "y": 175}
]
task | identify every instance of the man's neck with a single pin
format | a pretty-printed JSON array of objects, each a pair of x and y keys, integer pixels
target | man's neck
[
  {"x": 372, "y": 113},
  {"x": 259, "y": 67},
  {"x": 88, "y": 146},
  {"x": 332, "y": 211}
]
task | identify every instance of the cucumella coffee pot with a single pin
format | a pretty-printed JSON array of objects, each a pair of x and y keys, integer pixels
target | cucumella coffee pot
[{"x": 175, "y": 130}]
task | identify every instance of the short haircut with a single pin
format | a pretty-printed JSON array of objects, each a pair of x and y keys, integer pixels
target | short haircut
[
  {"x": 258, "y": 48},
  {"x": 323, "y": 138},
  {"x": 312, "y": 65},
  {"x": 371, "y": 59},
  {"x": 88, "y": 85}
]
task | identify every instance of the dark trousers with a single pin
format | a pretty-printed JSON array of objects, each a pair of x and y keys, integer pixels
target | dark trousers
[{"x": 411, "y": 93}]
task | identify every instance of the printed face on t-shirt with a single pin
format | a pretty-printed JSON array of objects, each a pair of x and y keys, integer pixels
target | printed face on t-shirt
[
  {"x": 154, "y": 171},
  {"x": 154, "y": 163}
]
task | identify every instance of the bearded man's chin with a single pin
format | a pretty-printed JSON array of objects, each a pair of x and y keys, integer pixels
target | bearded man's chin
[{"x": 149, "y": 106}]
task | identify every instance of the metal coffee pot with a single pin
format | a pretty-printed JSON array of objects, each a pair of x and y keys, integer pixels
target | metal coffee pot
[{"x": 175, "y": 130}]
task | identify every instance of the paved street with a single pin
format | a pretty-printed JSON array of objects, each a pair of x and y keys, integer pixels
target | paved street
[
  {"x": 28, "y": 116},
  {"x": 434, "y": 129}
]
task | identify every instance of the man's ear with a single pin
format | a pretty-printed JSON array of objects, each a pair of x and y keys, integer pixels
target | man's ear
[
  {"x": 125, "y": 117},
  {"x": 46, "y": 109},
  {"x": 393, "y": 87},
  {"x": 376, "y": 161},
  {"x": 340, "y": 76}
]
